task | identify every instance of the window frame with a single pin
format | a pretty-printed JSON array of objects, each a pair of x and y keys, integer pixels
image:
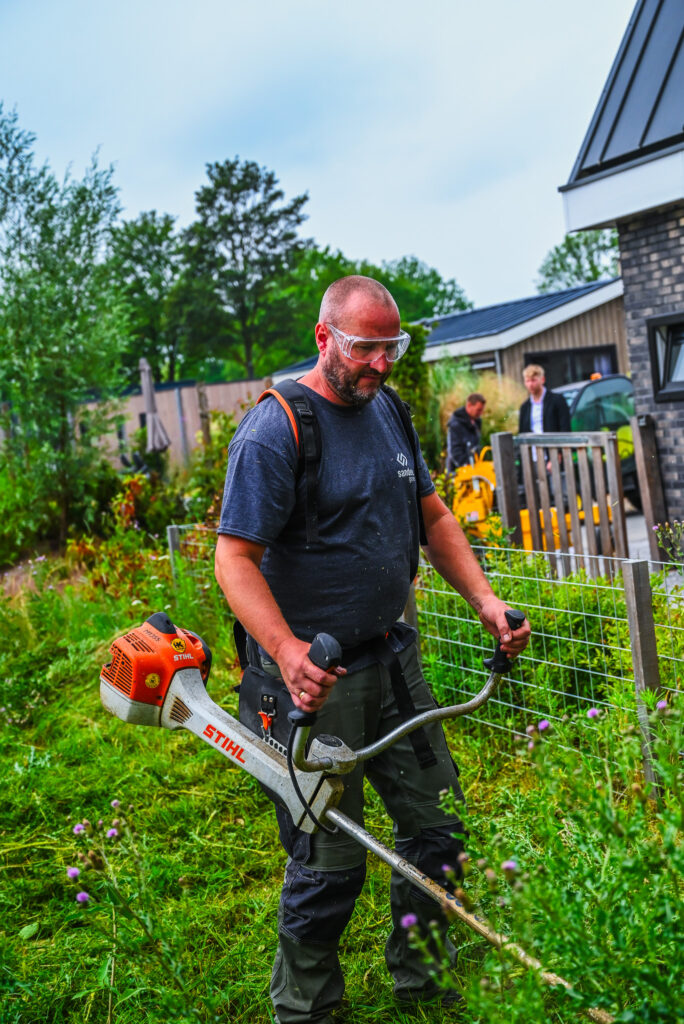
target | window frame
[{"x": 659, "y": 354}]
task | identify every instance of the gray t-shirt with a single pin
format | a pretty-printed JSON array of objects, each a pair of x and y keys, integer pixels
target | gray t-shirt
[{"x": 353, "y": 581}]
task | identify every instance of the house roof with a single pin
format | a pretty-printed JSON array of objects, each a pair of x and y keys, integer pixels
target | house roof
[
  {"x": 640, "y": 114},
  {"x": 495, "y": 320},
  {"x": 497, "y": 327}
]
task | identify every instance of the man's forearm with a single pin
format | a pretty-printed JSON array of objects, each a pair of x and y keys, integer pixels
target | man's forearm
[
  {"x": 450, "y": 553},
  {"x": 449, "y": 550},
  {"x": 252, "y": 602}
]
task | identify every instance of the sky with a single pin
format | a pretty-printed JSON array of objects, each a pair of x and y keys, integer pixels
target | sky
[{"x": 435, "y": 128}]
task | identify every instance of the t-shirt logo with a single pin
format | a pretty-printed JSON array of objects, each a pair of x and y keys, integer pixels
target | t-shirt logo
[{"x": 405, "y": 470}]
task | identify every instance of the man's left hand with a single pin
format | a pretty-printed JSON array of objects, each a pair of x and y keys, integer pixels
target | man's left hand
[{"x": 493, "y": 618}]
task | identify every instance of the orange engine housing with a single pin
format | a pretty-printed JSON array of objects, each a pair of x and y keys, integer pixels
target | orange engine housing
[{"x": 145, "y": 660}]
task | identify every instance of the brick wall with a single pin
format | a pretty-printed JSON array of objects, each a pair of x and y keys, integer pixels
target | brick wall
[{"x": 652, "y": 262}]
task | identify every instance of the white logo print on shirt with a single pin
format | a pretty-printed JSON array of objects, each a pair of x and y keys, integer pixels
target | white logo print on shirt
[{"x": 406, "y": 469}]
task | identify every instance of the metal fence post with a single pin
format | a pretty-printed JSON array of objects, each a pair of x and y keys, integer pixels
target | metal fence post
[
  {"x": 173, "y": 540},
  {"x": 639, "y": 602}
]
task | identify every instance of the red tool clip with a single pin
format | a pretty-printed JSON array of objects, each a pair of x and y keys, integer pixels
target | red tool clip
[{"x": 266, "y": 720}]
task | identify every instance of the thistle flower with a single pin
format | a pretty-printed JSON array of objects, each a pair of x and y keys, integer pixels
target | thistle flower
[
  {"x": 73, "y": 872},
  {"x": 530, "y": 730},
  {"x": 78, "y": 828},
  {"x": 509, "y": 868},
  {"x": 593, "y": 713},
  {"x": 82, "y": 897},
  {"x": 115, "y": 804},
  {"x": 530, "y": 745},
  {"x": 112, "y": 833},
  {"x": 409, "y": 921},
  {"x": 543, "y": 725},
  {"x": 661, "y": 705}
]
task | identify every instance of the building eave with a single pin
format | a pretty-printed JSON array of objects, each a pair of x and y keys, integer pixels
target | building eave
[{"x": 604, "y": 199}]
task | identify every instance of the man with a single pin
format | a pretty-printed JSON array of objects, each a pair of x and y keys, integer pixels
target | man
[
  {"x": 464, "y": 431},
  {"x": 544, "y": 412},
  {"x": 352, "y": 582}
]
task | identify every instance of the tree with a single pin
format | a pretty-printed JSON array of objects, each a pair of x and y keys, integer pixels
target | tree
[
  {"x": 146, "y": 263},
  {"x": 410, "y": 376},
  {"x": 580, "y": 258},
  {"x": 245, "y": 241},
  {"x": 61, "y": 330},
  {"x": 419, "y": 290}
]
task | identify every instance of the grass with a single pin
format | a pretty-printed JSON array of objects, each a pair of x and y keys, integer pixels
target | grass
[{"x": 190, "y": 930}]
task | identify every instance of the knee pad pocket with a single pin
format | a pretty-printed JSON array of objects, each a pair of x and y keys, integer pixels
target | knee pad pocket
[{"x": 316, "y": 905}]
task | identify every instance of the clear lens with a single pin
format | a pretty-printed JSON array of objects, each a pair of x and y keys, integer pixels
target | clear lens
[{"x": 367, "y": 350}]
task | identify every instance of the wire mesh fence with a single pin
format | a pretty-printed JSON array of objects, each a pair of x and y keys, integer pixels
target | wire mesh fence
[{"x": 602, "y": 634}]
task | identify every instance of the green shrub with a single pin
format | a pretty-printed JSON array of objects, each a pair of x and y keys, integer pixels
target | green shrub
[{"x": 581, "y": 866}]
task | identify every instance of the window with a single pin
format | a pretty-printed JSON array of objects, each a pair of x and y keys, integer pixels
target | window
[
  {"x": 565, "y": 366},
  {"x": 666, "y": 342}
]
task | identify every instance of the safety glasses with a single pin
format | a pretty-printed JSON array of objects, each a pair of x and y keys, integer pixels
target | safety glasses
[{"x": 367, "y": 350}]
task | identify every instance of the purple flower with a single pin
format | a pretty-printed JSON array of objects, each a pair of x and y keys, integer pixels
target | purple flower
[
  {"x": 409, "y": 921},
  {"x": 661, "y": 705},
  {"x": 544, "y": 724},
  {"x": 446, "y": 869},
  {"x": 73, "y": 872},
  {"x": 82, "y": 897},
  {"x": 79, "y": 828},
  {"x": 114, "y": 803},
  {"x": 530, "y": 745},
  {"x": 593, "y": 713},
  {"x": 112, "y": 833},
  {"x": 509, "y": 865}
]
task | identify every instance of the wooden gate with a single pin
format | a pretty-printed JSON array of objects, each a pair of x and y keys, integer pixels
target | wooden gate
[{"x": 572, "y": 487}]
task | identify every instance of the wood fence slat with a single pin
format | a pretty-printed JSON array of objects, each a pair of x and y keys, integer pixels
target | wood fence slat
[{"x": 531, "y": 493}]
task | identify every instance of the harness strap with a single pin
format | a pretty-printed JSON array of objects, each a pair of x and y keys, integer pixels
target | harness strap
[
  {"x": 292, "y": 399},
  {"x": 383, "y": 653}
]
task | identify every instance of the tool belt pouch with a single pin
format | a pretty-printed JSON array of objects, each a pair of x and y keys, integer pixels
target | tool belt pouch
[{"x": 264, "y": 704}]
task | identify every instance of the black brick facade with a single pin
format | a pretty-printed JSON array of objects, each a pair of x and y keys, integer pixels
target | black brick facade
[{"x": 652, "y": 262}]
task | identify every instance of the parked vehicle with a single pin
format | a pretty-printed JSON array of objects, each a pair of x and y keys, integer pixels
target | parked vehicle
[{"x": 607, "y": 403}]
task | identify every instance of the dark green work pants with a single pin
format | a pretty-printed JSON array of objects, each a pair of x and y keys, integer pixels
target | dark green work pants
[{"x": 325, "y": 873}]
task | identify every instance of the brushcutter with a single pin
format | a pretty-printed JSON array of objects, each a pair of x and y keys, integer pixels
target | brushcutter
[{"x": 157, "y": 676}]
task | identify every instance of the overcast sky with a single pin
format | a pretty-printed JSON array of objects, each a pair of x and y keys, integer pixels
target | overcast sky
[{"x": 438, "y": 128}]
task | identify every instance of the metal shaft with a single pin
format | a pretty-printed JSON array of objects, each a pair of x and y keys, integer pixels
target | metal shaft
[{"x": 450, "y": 905}]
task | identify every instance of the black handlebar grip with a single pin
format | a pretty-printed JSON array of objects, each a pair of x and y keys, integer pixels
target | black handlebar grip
[
  {"x": 297, "y": 717},
  {"x": 325, "y": 652},
  {"x": 499, "y": 661}
]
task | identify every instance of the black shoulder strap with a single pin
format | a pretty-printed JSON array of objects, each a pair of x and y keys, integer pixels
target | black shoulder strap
[
  {"x": 293, "y": 398},
  {"x": 404, "y": 410}
]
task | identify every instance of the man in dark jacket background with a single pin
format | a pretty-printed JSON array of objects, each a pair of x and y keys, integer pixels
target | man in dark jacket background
[{"x": 464, "y": 430}]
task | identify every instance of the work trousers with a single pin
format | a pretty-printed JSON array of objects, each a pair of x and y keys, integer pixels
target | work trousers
[{"x": 325, "y": 873}]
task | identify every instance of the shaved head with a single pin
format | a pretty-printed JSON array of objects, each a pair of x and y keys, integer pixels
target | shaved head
[{"x": 344, "y": 295}]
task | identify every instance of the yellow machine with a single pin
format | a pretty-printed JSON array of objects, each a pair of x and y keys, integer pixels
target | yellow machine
[{"x": 474, "y": 486}]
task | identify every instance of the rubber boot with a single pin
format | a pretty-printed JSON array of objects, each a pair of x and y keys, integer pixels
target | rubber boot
[{"x": 306, "y": 983}]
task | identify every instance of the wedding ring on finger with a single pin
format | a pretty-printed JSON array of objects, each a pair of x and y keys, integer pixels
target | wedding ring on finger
[{"x": 302, "y": 694}]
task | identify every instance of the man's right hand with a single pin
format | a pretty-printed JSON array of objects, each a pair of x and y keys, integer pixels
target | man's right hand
[{"x": 309, "y": 685}]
